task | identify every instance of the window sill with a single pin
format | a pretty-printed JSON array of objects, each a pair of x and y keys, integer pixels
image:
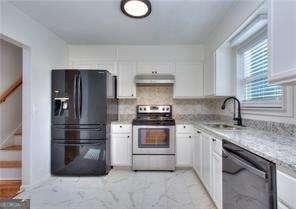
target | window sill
[
  {"x": 283, "y": 108},
  {"x": 263, "y": 105}
]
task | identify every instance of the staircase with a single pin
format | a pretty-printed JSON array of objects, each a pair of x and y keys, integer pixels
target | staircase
[{"x": 11, "y": 168}]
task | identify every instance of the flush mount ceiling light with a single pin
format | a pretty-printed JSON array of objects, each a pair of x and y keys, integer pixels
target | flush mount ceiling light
[{"x": 136, "y": 8}]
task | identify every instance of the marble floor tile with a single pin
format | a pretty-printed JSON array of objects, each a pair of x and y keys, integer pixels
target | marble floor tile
[{"x": 122, "y": 189}]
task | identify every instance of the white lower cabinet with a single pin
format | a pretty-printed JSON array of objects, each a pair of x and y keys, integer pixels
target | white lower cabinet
[
  {"x": 286, "y": 188},
  {"x": 207, "y": 162},
  {"x": 217, "y": 179},
  {"x": 184, "y": 149},
  {"x": 121, "y": 145},
  {"x": 197, "y": 152}
]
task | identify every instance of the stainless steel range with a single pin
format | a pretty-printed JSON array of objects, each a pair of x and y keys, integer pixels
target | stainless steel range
[{"x": 154, "y": 138}]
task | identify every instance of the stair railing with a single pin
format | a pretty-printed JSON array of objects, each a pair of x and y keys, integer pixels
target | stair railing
[{"x": 10, "y": 90}]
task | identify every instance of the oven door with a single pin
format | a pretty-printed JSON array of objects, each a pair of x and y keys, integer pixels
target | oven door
[{"x": 153, "y": 139}]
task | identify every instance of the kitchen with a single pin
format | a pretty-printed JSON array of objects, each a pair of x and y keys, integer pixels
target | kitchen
[{"x": 170, "y": 113}]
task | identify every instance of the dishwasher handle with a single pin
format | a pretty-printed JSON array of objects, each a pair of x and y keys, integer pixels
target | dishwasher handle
[{"x": 248, "y": 166}]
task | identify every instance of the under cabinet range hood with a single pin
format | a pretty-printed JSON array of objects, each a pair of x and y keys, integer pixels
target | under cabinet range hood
[{"x": 150, "y": 79}]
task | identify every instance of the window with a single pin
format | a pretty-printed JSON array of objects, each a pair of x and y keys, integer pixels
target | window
[{"x": 255, "y": 89}]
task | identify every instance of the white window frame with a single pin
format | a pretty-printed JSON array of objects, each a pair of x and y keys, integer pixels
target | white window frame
[{"x": 263, "y": 105}]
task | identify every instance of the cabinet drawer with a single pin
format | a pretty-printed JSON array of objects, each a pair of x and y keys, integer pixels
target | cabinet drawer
[
  {"x": 184, "y": 128},
  {"x": 217, "y": 146},
  {"x": 285, "y": 185},
  {"x": 121, "y": 128}
]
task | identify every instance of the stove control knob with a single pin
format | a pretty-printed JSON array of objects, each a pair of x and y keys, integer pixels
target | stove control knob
[
  {"x": 140, "y": 108},
  {"x": 163, "y": 109},
  {"x": 144, "y": 108},
  {"x": 168, "y": 108}
]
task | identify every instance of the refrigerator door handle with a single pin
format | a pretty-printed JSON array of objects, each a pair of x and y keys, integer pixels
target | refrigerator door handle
[
  {"x": 75, "y": 96},
  {"x": 80, "y": 96}
]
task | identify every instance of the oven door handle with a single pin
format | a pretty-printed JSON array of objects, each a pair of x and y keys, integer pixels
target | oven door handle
[{"x": 246, "y": 165}]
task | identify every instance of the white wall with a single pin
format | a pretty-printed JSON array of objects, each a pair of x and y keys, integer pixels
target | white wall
[
  {"x": 82, "y": 53},
  {"x": 43, "y": 50},
  {"x": 235, "y": 17},
  {"x": 10, "y": 110}
]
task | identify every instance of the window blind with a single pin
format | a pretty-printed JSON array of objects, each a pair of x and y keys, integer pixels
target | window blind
[{"x": 255, "y": 64}]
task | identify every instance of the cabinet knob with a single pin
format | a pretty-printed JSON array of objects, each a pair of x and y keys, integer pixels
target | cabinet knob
[
  {"x": 128, "y": 136},
  {"x": 184, "y": 126},
  {"x": 198, "y": 132},
  {"x": 120, "y": 126},
  {"x": 189, "y": 137},
  {"x": 132, "y": 95},
  {"x": 213, "y": 140}
]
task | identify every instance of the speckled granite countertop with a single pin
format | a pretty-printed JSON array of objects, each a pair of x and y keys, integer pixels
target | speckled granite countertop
[{"x": 278, "y": 149}]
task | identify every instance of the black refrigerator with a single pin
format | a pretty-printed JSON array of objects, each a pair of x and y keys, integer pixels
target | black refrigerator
[{"x": 84, "y": 102}]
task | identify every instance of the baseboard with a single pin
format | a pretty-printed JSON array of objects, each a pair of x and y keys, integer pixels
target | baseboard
[
  {"x": 122, "y": 167},
  {"x": 183, "y": 167},
  {"x": 10, "y": 139}
]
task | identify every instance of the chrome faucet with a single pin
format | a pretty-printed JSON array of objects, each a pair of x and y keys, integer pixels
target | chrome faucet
[{"x": 239, "y": 117}]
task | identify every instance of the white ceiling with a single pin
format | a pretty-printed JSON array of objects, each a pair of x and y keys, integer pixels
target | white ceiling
[{"x": 101, "y": 21}]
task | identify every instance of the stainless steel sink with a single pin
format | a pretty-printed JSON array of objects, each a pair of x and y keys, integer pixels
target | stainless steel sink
[{"x": 224, "y": 126}]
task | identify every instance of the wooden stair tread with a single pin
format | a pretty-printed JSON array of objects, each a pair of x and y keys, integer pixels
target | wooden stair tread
[
  {"x": 9, "y": 188},
  {"x": 10, "y": 164},
  {"x": 4, "y": 183},
  {"x": 13, "y": 148}
]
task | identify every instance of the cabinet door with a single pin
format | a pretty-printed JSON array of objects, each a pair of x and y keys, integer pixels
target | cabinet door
[
  {"x": 197, "y": 154},
  {"x": 217, "y": 180},
  {"x": 155, "y": 68},
  {"x": 207, "y": 161},
  {"x": 282, "y": 32},
  {"x": 126, "y": 84},
  {"x": 189, "y": 80},
  {"x": 107, "y": 65},
  {"x": 121, "y": 149},
  {"x": 285, "y": 184},
  {"x": 184, "y": 149}
]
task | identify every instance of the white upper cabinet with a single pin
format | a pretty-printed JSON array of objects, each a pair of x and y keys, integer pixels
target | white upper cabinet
[
  {"x": 107, "y": 65},
  {"x": 219, "y": 73},
  {"x": 155, "y": 68},
  {"x": 282, "y": 41},
  {"x": 126, "y": 84},
  {"x": 189, "y": 80},
  {"x": 94, "y": 65}
]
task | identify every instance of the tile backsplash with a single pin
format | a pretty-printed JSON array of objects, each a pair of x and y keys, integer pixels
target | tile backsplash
[
  {"x": 194, "y": 109},
  {"x": 163, "y": 95}
]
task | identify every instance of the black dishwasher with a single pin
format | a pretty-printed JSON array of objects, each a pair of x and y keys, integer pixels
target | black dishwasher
[{"x": 249, "y": 181}]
